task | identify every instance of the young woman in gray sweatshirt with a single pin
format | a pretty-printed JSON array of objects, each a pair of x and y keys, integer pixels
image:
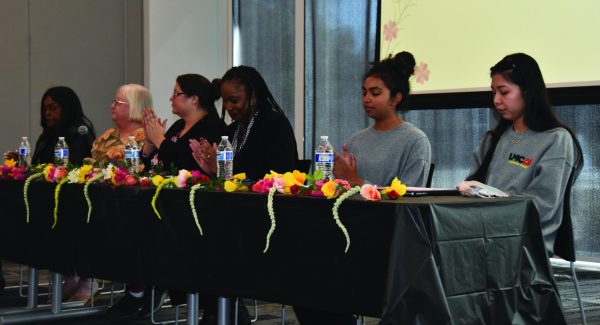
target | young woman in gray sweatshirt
[
  {"x": 391, "y": 147},
  {"x": 530, "y": 152}
]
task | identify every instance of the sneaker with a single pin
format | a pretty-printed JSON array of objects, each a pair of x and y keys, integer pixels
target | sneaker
[
  {"x": 126, "y": 307},
  {"x": 147, "y": 308}
]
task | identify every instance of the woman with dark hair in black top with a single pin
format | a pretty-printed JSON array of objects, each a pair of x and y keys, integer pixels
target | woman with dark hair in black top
[
  {"x": 62, "y": 116},
  {"x": 193, "y": 100},
  {"x": 261, "y": 135}
]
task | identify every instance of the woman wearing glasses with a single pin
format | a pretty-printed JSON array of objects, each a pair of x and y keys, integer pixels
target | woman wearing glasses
[
  {"x": 127, "y": 110},
  {"x": 193, "y": 100}
]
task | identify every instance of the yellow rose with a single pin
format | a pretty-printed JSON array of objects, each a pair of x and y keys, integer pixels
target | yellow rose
[
  {"x": 47, "y": 172},
  {"x": 10, "y": 163},
  {"x": 300, "y": 177},
  {"x": 289, "y": 180},
  {"x": 397, "y": 186},
  {"x": 329, "y": 189},
  {"x": 240, "y": 176},
  {"x": 231, "y": 186},
  {"x": 157, "y": 179}
]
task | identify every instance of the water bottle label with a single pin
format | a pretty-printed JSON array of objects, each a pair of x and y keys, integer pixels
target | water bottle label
[
  {"x": 23, "y": 151},
  {"x": 135, "y": 154},
  {"x": 324, "y": 157},
  {"x": 224, "y": 155},
  {"x": 61, "y": 153}
]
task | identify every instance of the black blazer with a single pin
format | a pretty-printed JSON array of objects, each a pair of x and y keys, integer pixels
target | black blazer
[
  {"x": 270, "y": 145},
  {"x": 177, "y": 152}
]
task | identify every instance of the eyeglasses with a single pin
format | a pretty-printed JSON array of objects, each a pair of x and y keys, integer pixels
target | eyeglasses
[
  {"x": 116, "y": 101},
  {"x": 176, "y": 94}
]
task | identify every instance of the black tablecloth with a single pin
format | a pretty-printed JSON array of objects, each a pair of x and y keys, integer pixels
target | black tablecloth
[{"x": 436, "y": 259}]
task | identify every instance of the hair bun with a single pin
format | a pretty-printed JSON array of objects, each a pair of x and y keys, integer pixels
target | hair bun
[
  {"x": 406, "y": 61},
  {"x": 216, "y": 88}
]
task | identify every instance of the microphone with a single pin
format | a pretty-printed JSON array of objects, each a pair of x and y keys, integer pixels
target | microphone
[{"x": 82, "y": 129}]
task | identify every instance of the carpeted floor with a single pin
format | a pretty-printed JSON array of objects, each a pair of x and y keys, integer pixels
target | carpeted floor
[{"x": 270, "y": 313}]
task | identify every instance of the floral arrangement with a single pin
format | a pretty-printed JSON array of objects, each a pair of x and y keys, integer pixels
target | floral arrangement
[
  {"x": 294, "y": 183},
  {"x": 10, "y": 170}
]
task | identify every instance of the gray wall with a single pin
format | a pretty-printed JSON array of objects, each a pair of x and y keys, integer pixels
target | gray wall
[{"x": 87, "y": 45}]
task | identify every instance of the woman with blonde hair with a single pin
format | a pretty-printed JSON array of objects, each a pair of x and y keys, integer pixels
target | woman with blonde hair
[{"x": 127, "y": 113}]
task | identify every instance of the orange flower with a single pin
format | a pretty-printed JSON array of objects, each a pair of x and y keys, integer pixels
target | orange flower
[{"x": 330, "y": 189}]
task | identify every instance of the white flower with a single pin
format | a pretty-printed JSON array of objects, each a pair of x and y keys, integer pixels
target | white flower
[
  {"x": 108, "y": 171},
  {"x": 73, "y": 176}
]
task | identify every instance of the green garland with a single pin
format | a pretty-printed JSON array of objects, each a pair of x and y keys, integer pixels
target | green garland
[
  {"x": 158, "y": 189},
  {"x": 271, "y": 212},
  {"x": 336, "y": 216},
  {"x": 25, "y": 190},
  {"x": 193, "y": 206},
  {"x": 86, "y": 193},
  {"x": 56, "y": 195}
]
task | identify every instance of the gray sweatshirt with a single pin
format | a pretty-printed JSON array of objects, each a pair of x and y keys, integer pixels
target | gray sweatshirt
[
  {"x": 402, "y": 152},
  {"x": 534, "y": 164}
]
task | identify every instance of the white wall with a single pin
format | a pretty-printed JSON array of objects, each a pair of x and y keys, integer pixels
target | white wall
[
  {"x": 182, "y": 36},
  {"x": 90, "y": 46}
]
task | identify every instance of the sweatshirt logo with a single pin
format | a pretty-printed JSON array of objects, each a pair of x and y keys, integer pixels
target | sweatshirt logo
[{"x": 519, "y": 160}]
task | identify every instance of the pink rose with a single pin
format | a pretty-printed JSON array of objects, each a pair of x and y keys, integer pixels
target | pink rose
[
  {"x": 130, "y": 180},
  {"x": 59, "y": 173},
  {"x": 262, "y": 186},
  {"x": 370, "y": 192},
  {"x": 344, "y": 183}
]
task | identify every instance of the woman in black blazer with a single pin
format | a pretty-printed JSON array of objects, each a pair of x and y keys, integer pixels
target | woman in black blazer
[{"x": 261, "y": 135}]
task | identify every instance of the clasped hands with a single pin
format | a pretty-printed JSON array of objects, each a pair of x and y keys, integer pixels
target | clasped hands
[
  {"x": 205, "y": 155},
  {"x": 344, "y": 167}
]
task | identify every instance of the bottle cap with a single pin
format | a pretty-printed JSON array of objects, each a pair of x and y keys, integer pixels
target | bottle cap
[
  {"x": 61, "y": 138},
  {"x": 131, "y": 137},
  {"x": 224, "y": 137},
  {"x": 24, "y": 138},
  {"x": 324, "y": 137}
]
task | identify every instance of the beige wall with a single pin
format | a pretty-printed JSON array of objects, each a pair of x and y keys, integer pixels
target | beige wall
[
  {"x": 184, "y": 36},
  {"x": 90, "y": 46},
  {"x": 96, "y": 46}
]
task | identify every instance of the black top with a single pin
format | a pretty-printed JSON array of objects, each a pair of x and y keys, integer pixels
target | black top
[
  {"x": 80, "y": 146},
  {"x": 270, "y": 146},
  {"x": 176, "y": 150}
]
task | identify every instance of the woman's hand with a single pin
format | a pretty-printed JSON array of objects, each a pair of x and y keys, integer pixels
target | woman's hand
[
  {"x": 205, "y": 155},
  {"x": 154, "y": 129},
  {"x": 344, "y": 167}
]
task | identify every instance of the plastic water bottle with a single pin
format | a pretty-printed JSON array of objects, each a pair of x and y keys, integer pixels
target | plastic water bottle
[
  {"x": 224, "y": 158},
  {"x": 61, "y": 152},
  {"x": 324, "y": 157},
  {"x": 24, "y": 153},
  {"x": 132, "y": 154}
]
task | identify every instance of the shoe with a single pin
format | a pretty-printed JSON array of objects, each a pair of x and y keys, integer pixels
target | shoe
[
  {"x": 147, "y": 308},
  {"x": 85, "y": 290},
  {"x": 68, "y": 287},
  {"x": 126, "y": 307}
]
